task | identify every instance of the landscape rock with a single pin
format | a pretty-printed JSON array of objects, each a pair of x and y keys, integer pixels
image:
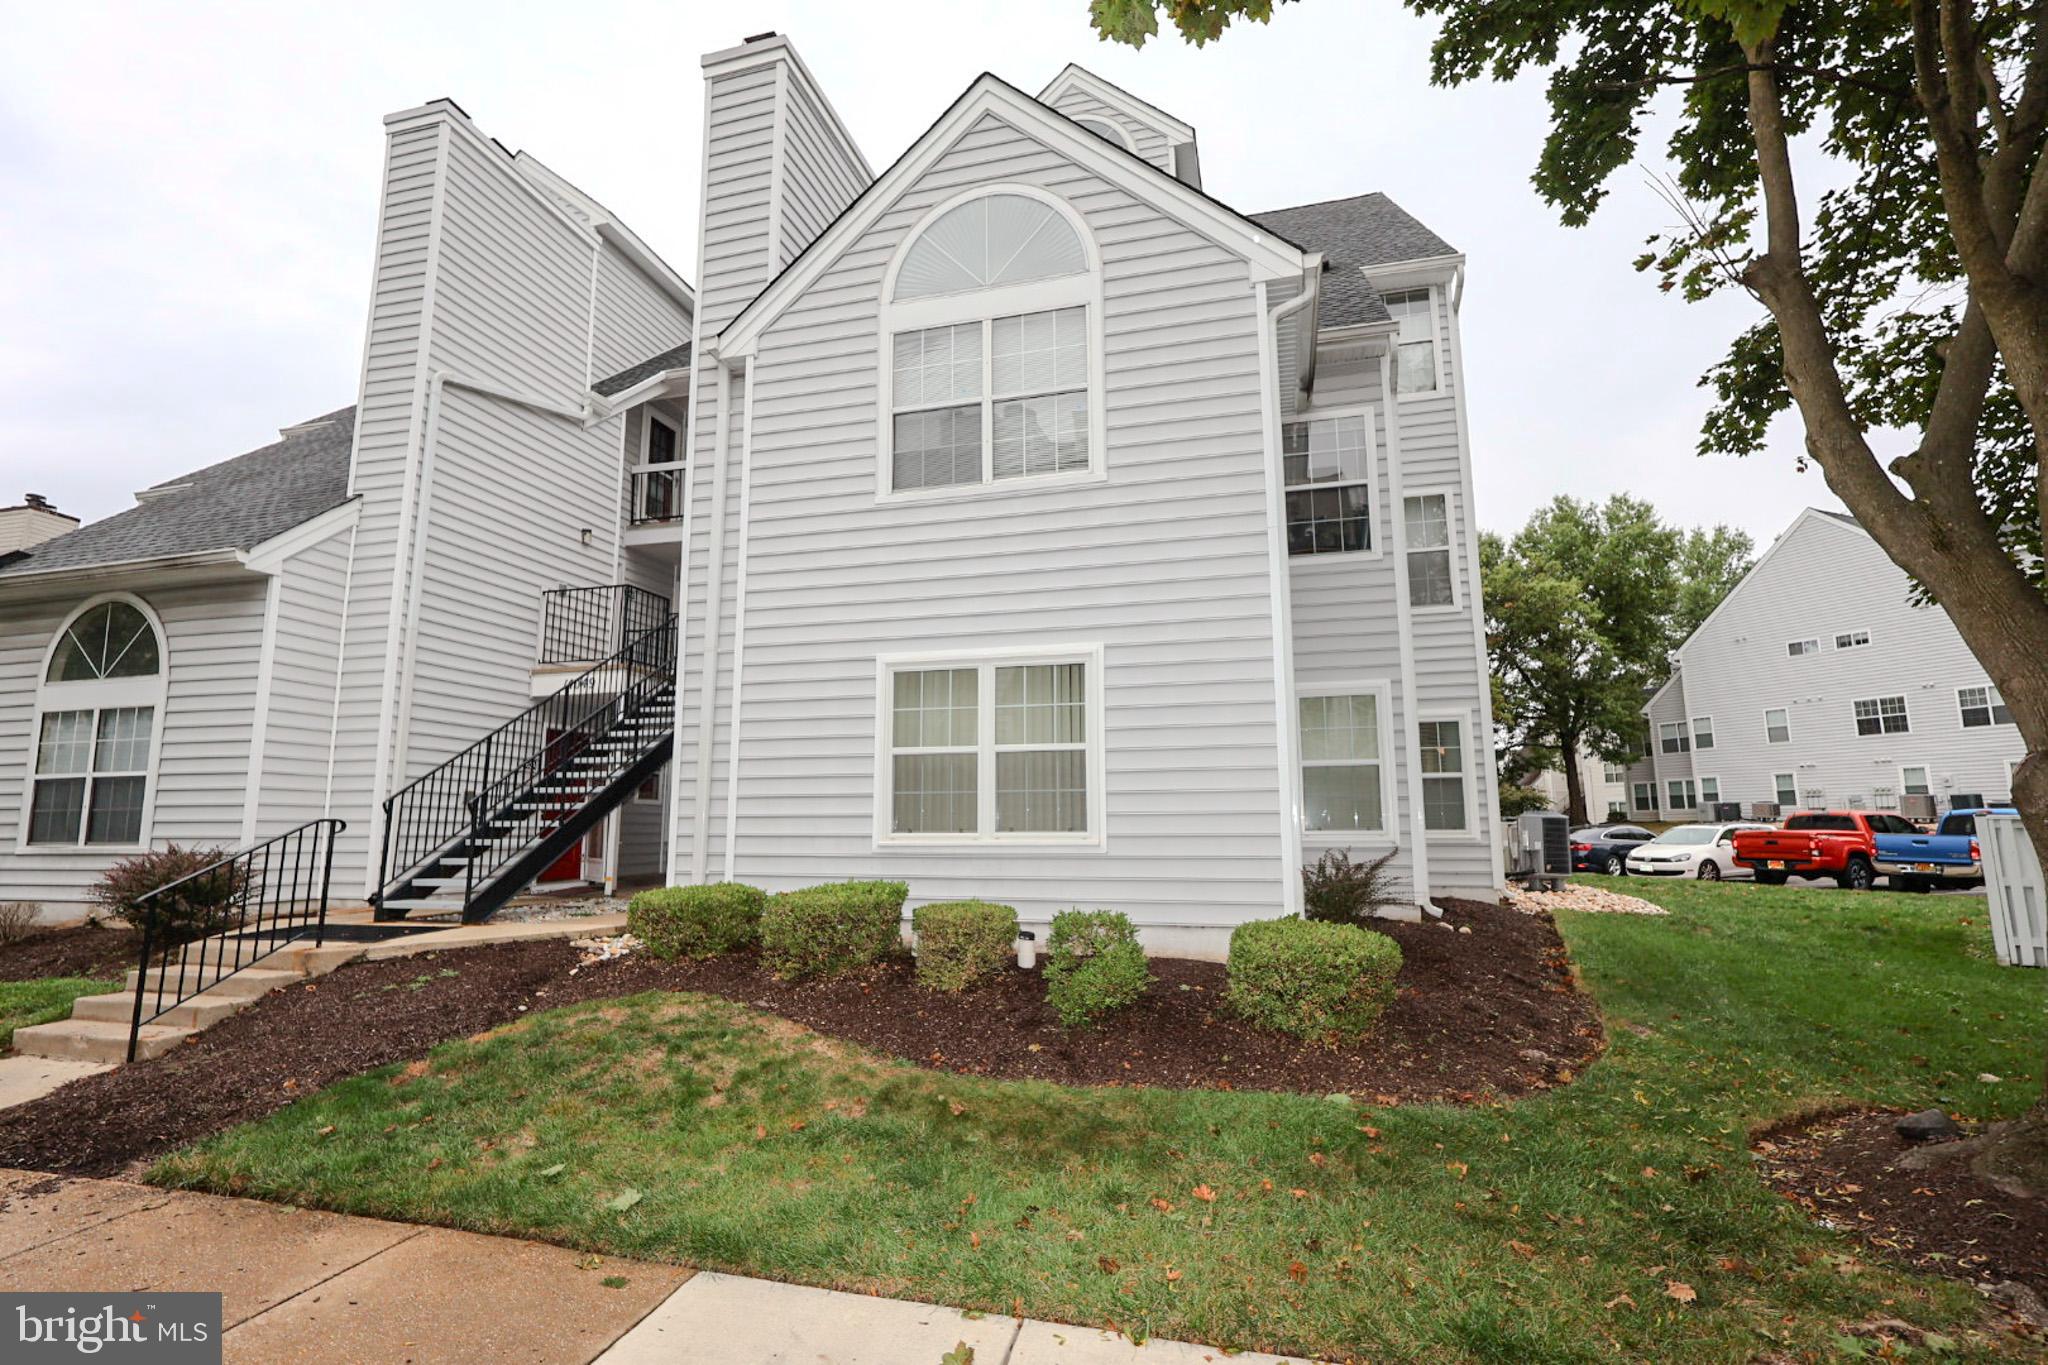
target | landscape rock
[
  {"x": 1929, "y": 1125},
  {"x": 1590, "y": 899}
]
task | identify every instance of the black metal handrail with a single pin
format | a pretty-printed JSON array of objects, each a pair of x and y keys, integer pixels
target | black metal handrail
[
  {"x": 231, "y": 914},
  {"x": 657, "y": 495},
  {"x": 428, "y": 815},
  {"x": 581, "y": 624}
]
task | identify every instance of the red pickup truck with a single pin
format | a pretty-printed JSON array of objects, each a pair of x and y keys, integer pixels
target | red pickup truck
[{"x": 1819, "y": 843}]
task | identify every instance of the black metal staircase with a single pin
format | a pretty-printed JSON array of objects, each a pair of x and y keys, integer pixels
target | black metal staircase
[{"x": 477, "y": 830}]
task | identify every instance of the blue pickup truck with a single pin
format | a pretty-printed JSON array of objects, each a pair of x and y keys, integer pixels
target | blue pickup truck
[{"x": 1948, "y": 857}]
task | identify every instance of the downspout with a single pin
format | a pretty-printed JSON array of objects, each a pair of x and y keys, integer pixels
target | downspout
[
  {"x": 1411, "y": 738},
  {"x": 1282, "y": 598}
]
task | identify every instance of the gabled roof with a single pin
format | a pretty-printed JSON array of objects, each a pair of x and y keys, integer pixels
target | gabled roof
[
  {"x": 1355, "y": 235},
  {"x": 1109, "y": 92},
  {"x": 234, "y": 505},
  {"x": 675, "y": 358}
]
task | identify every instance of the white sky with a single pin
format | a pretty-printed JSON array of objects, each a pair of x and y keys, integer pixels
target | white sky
[{"x": 188, "y": 195}]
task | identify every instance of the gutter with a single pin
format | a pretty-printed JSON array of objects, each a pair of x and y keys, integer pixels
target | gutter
[{"x": 223, "y": 558}]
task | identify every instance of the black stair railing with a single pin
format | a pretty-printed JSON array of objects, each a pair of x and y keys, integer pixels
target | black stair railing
[
  {"x": 436, "y": 815},
  {"x": 581, "y": 624},
  {"x": 233, "y": 913}
]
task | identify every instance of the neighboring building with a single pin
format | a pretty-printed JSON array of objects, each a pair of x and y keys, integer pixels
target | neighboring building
[
  {"x": 1605, "y": 784},
  {"x": 1819, "y": 682},
  {"x": 31, "y": 522},
  {"x": 1024, "y": 523}
]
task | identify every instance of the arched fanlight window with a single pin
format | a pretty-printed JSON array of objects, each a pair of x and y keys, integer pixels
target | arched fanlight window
[
  {"x": 992, "y": 343},
  {"x": 998, "y": 239},
  {"x": 96, "y": 726},
  {"x": 1106, "y": 130}
]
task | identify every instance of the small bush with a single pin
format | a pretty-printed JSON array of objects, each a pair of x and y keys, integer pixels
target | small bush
[
  {"x": 17, "y": 919},
  {"x": 1313, "y": 980},
  {"x": 205, "y": 905},
  {"x": 1093, "y": 965},
  {"x": 697, "y": 921},
  {"x": 823, "y": 930},
  {"x": 1339, "y": 891},
  {"x": 962, "y": 942}
]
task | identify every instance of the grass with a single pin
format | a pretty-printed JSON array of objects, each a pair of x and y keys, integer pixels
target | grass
[
  {"x": 23, "y": 1003},
  {"x": 1569, "y": 1226}
]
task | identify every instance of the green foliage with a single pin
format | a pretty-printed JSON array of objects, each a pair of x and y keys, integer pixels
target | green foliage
[
  {"x": 824, "y": 930},
  {"x": 960, "y": 943},
  {"x": 1340, "y": 891},
  {"x": 208, "y": 904},
  {"x": 1199, "y": 21},
  {"x": 697, "y": 921},
  {"x": 1328, "y": 982},
  {"x": 1516, "y": 799},
  {"x": 1093, "y": 965},
  {"x": 43, "y": 1000}
]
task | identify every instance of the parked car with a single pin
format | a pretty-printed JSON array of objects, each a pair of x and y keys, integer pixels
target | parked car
[
  {"x": 1703, "y": 851},
  {"x": 1605, "y": 848},
  {"x": 1950, "y": 856},
  {"x": 1820, "y": 843}
]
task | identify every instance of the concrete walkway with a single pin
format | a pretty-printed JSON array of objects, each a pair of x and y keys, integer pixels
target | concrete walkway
[{"x": 299, "y": 1285}]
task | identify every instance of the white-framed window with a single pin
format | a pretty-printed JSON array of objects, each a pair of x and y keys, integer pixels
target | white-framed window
[
  {"x": 992, "y": 747},
  {"x": 1778, "y": 725},
  {"x": 1446, "y": 789},
  {"x": 1797, "y": 648},
  {"x": 1982, "y": 706},
  {"x": 1431, "y": 582},
  {"x": 1683, "y": 795},
  {"x": 1416, "y": 366},
  {"x": 1786, "y": 787},
  {"x": 1913, "y": 781},
  {"x": 991, "y": 373},
  {"x": 1327, "y": 465},
  {"x": 1107, "y": 131},
  {"x": 98, "y": 714},
  {"x": 1346, "y": 737},
  {"x": 1710, "y": 790},
  {"x": 1646, "y": 796},
  {"x": 658, "y": 479},
  {"x": 1852, "y": 639},
  {"x": 1882, "y": 716},
  {"x": 1672, "y": 738},
  {"x": 1613, "y": 774},
  {"x": 1702, "y": 732}
]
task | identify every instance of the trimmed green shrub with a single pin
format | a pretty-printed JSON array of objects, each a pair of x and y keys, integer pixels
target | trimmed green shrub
[
  {"x": 1313, "y": 980},
  {"x": 962, "y": 942},
  {"x": 697, "y": 921},
  {"x": 1093, "y": 965},
  {"x": 205, "y": 905},
  {"x": 823, "y": 930}
]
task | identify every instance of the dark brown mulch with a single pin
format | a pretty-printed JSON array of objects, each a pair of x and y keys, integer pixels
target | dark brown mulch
[
  {"x": 1489, "y": 1013},
  {"x": 1940, "y": 1219},
  {"x": 91, "y": 950}
]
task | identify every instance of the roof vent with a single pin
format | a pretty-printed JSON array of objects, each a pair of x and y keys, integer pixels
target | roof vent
[{"x": 37, "y": 501}]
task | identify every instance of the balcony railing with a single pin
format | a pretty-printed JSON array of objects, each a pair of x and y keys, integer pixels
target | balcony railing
[
  {"x": 657, "y": 495},
  {"x": 578, "y": 625}
]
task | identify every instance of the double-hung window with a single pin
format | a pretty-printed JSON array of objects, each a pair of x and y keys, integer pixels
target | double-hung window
[
  {"x": 100, "y": 700},
  {"x": 992, "y": 340},
  {"x": 1000, "y": 749},
  {"x": 1710, "y": 790},
  {"x": 1682, "y": 794},
  {"x": 1646, "y": 797},
  {"x": 1415, "y": 367},
  {"x": 1613, "y": 774},
  {"x": 1786, "y": 786},
  {"x": 1327, "y": 464},
  {"x": 1777, "y": 725},
  {"x": 1671, "y": 737},
  {"x": 1702, "y": 732},
  {"x": 1428, "y": 523},
  {"x": 1882, "y": 716},
  {"x": 1343, "y": 763},
  {"x": 1982, "y": 706},
  {"x": 1443, "y": 775}
]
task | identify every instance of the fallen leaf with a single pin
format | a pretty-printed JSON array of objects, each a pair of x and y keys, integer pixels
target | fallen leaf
[
  {"x": 1523, "y": 1250},
  {"x": 624, "y": 1201},
  {"x": 1108, "y": 1265},
  {"x": 1296, "y": 1271},
  {"x": 1457, "y": 1168},
  {"x": 550, "y": 1172},
  {"x": 1299, "y": 1194},
  {"x": 325, "y": 1131},
  {"x": 1369, "y": 1130},
  {"x": 1620, "y": 1301},
  {"x": 1205, "y": 1194},
  {"x": 1163, "y": 1205},
  {"x": 1172, "y": 1275},
  {"x": 974, "y": 1239},
  {"x": 1679, "y": 1290},
  {"x": 961, "y": 1354}
]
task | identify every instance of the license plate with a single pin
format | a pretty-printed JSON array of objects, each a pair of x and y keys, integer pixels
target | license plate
[
  {"x": 1775, "y": 867},
  {"x": 1927, "y": 867}
]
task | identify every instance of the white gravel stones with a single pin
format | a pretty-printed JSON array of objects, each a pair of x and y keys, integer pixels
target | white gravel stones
[{"x": 1590, "y": 899}]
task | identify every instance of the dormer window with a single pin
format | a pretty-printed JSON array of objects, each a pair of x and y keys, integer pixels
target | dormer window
[
  {"x": 992, "y": 348},
  {"x": 1106, "y": 130}
]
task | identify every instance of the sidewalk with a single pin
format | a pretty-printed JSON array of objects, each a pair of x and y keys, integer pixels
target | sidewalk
[{"x": 300, "y": 1285}]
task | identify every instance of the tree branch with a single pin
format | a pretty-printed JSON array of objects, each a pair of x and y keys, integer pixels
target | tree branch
[{"x": 1818, "y": 73}]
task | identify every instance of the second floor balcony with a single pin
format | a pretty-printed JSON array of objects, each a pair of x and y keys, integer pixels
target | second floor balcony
[{"x": 582, "y": 626}]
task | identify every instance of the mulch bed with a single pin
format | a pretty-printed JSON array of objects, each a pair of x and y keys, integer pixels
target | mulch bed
[
  {"x": 1482, "y": 1014},
  {"x": 1942, "y": 1219},
  {"x": 90, "y": 950}
]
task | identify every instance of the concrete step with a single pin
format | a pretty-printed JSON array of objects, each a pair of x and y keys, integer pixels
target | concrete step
[
  {"x": 96, "y": 1040},
  {"x": 196, "y": 1013},
  {"x": 250, "y": 981}
]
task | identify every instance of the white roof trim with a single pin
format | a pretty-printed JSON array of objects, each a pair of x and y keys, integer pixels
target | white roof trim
[
  {"x": 1807, "y": 516},
  {"x": 614, "y": 233},
  {"x": 1115, "y": 95},
  {"x": 659, "y": 385},
  {"x": 122, "y": 568},
  {"x": 1269, "y": 256},
  {"x": 269, "y": 556}
]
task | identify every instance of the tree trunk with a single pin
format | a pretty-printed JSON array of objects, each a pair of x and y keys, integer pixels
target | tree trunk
[{"x": 1574, "y": 784}]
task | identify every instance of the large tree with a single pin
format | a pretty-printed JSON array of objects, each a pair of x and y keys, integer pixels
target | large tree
[{"x": 1910, "y": 296}]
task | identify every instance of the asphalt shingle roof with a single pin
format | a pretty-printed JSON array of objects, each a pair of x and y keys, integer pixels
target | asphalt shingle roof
[
  {"x": 236, "y": 504},
  {"x": 675, "y": 358},
  {"x": 1354, "y": 235}
]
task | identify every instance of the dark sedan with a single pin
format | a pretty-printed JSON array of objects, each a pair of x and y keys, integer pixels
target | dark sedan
[{"x": 1605, "y": 848}]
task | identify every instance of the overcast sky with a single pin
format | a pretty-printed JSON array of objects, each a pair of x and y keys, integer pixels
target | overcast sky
[{"x": 188, "y": 195}]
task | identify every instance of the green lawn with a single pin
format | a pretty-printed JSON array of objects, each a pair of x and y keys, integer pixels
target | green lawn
[
  {"x": 23, "y": 1003},
  {"x": 1559, "y": 1228}
]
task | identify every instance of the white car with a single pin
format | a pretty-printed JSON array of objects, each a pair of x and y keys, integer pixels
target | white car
[{"x": 1703, "y": 851}]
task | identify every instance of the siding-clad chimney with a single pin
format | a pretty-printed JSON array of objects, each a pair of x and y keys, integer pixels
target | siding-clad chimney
[{"x": 31, "y": 522}]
